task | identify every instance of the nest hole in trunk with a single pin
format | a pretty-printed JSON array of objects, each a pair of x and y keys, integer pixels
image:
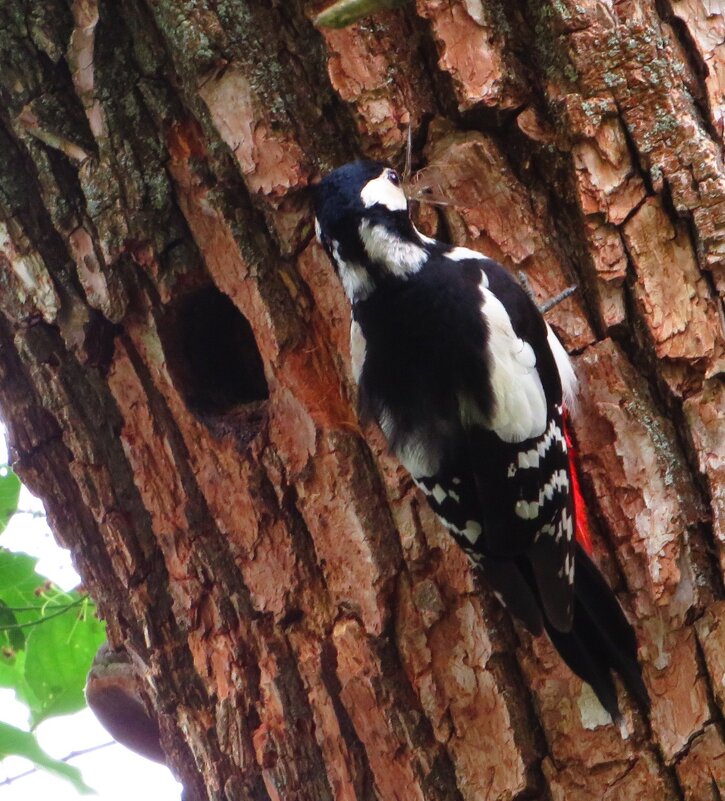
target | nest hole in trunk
[{"x": 214, "y": 361}]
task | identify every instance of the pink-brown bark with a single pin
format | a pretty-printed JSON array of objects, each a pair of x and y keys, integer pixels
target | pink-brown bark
[{"x": 305, "y": 627}]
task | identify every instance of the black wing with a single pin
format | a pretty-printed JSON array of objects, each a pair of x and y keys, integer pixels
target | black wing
[
  {"x": 459, "y": 373},
  {"x": 504, "y": 488}
]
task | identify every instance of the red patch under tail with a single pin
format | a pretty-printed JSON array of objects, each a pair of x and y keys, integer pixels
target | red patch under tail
[{"x": 581, "y": 520}]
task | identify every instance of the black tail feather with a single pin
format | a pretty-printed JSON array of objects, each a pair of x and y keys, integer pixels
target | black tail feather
[{"x": 601, "y": 638}]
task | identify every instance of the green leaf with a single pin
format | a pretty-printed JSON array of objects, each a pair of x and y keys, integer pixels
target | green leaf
[
  {"x": 27, "y": 594},
  {"x": 12, "y": 675},
  {"x": 16, "y": 742},
  {"x": 16, "y": 570},
  {"x": 345, "y": 12},
  {"x": 58, "y": 656},
  {"x": 20, "y": 592},
  {"x": 11, "y": 635},
  {"x": 9, "y": 494},
  {"x": 59, "y": 633}
]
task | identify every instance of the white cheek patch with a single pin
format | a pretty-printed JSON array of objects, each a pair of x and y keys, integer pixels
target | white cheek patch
[
  {"x": 318, "y": 230},
  {"x": 383, "y": 192},
  {"x": 398, "y": 255}
]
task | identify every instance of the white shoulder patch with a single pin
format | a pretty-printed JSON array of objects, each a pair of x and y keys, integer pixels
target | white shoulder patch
[
  {"x": 460, "y": 254},
  {"x": 519, "y": 410},
  {"x": 382, "y": 191},
  {"x": 566, "y": 370}
]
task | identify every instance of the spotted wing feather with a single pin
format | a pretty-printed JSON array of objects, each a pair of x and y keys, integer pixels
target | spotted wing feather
[
  {"x": 538, "y": 504},
  {"x": 512, "y": 499},
  {"x": 458, "y": 372}
]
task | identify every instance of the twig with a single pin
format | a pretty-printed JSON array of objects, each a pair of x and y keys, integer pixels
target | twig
[
  {"x": 408, "y": 155},
  {"x": 66, "y": 758},
  {"x": 55, "y": 608},
  {"x": 345, "y": 12},
  {"x": 557, "y": 299},
  {"x": 549, "y": 305},
  {"x": 40, "y": 620},
  {"x": 31, "y": 512}
]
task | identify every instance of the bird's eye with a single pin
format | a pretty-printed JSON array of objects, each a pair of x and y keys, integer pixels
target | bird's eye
[{"x": 393, "y": 177}]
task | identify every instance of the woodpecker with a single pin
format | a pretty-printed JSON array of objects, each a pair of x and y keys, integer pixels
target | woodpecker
[{"x": 471, "y": 388}]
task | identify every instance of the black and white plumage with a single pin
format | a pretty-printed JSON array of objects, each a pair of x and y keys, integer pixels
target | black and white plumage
[{"x": 469, "y": 385}]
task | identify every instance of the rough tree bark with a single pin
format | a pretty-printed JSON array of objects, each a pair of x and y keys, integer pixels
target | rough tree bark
[{"x": 175, "y": 379}]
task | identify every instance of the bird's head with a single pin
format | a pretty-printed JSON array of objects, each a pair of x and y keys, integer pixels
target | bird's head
[{"x": 362, "y": 221}]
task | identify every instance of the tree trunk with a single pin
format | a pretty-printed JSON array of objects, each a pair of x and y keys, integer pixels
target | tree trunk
[{"x": 175, "y": 377}]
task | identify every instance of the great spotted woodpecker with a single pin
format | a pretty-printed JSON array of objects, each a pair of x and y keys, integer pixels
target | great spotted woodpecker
[{"x": 470, "y": 386}]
